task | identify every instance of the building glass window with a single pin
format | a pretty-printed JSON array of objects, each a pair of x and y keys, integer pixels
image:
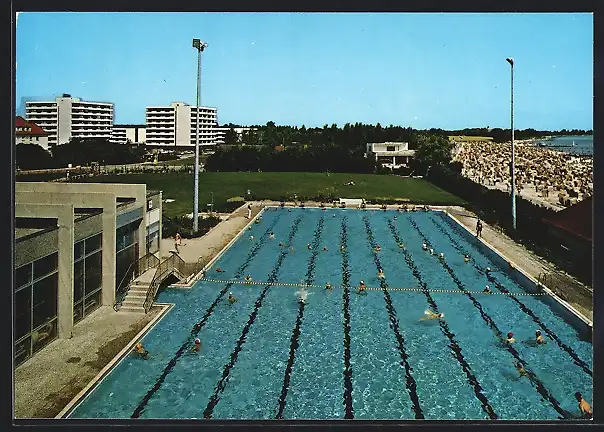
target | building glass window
[
  {"x": 35, "y": 306},
  {"x": 46, "y": 265},
  {"x": 23, "y": 275},
  {"x": 390, "y": 148},
  {"x": 78, "y": 250},
  {"x": 88, "y": 276}
]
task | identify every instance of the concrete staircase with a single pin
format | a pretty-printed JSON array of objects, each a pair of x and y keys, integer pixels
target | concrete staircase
[{"x": 137, "y": 293}]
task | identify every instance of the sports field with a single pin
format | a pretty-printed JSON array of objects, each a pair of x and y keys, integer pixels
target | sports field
[{"x": 278, "y": 186}]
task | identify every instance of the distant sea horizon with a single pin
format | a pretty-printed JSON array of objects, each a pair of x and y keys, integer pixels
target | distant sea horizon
[{"x": 573, "y": 144}]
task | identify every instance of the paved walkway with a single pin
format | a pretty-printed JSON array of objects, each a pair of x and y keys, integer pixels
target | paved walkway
[{"x": 48, "y": 381}]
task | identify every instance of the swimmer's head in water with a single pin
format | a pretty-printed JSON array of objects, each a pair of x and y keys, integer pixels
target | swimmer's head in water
[
  {"x": 578, "y": 396},
  {"x": 197, "y": 341},
  {"x": 510, "y": 335},
  {"x": 538, "y": 333}
]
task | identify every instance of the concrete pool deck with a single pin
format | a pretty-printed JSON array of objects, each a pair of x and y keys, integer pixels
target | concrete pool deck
[{"x": 41, "y": 392}]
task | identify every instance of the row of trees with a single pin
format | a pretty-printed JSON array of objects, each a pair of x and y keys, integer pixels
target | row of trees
[
  {"x": 78, "y": 152},
  {"x": 358, "y": 134},
  {"x": 430, "y": 150}
]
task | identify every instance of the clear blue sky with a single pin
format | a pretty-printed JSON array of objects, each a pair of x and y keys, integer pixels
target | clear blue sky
[{"x": 419, "y": 70}]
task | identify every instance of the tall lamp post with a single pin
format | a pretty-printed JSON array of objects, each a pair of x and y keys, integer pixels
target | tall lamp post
[
  {"x": 200, "y": 46},
  {"x": 513, "y": 180}
]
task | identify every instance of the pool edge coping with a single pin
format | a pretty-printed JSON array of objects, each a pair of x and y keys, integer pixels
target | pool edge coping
[
  {"x": 89, "y": 388},
  {"x": 516, "y": 267}
]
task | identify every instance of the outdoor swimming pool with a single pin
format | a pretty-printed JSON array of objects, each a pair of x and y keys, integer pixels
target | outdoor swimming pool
[{"x": 343, "y": 355}]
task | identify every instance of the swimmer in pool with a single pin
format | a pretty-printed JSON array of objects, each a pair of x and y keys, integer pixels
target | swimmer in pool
[
  {"x": 281, "y": 244},
  {"x": 378, "y": 248},
  {"x": 429, "y": 315},
  {"x": 401, "y": 245},
  {"x": 219, "y": 270},
  {"x": 342, "y": 249},
  {"x": 272, "y": 235},
  {"x": 232, "y": 298},
  {"x": 424, "y": 246},
  {"x": 381, "y": 274},
  {"x": 197, "y": 346},
  {"x": 584, "y": 407},
  {"x": 328, "y": 286},
  {"x": 309, "y": 246},
  {"x": 302, "y": 295},
  {"x": 487, "y": 290},
  {"x": 539, "y": 338},
  {"x": 520, "y": 368},
  {"x": 324, "y": 248},
  {"x": 362, "y": 288},
  {"x": 291, "y": 249},
  {"x": 466, "y": 258},
  {"x": 488, "y": 270},
  {"x": 510, "y": 338},
  {"x": 248, "y": 279},
  {"x": 431, "y": 251},
  {"x": 140, "y": 351},
  {"x": 251, "y": 238},
  {"x": 441, "y": 256}
]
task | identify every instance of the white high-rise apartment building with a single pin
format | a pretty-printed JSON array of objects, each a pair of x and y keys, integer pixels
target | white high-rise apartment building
[
  {"x": 69, "y": 117},
  {"x": 174, "y": 126}
]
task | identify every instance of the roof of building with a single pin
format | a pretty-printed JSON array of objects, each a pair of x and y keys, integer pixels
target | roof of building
[
  {"x": 20, "y": 122},
  {"x": 576, "y": 219}
]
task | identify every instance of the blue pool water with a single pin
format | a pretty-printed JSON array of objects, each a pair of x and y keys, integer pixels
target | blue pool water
[{"x": 343, "y": 355}]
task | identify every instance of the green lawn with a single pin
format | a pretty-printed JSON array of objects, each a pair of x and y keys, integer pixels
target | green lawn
[{"x": 276, "y": 186}]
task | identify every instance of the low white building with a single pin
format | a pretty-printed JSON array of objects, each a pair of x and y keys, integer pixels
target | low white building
[
  {"x": 123, "y": 134},
  {"x": 390, "y": 154},
  {"x": 30, "y": 133},
  {"x": 222, "y": 130}
]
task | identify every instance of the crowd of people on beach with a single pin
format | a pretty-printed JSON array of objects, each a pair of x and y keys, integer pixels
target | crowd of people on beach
[{"x": 542, "y": 174}]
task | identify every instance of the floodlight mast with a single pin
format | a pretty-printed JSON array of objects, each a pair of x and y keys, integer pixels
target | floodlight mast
[
  {"x": 200, "y": 46},
  {"x": 510, "y": 60}
]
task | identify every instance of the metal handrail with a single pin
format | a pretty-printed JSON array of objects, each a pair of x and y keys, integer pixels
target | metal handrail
[
  {"x": 165, "y": 268},
  {"x": 141, "y": 265}
]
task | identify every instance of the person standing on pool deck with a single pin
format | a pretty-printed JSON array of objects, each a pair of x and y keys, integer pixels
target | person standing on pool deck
[
  {"x": 249, "y": 211},
  {"x": 584, "y": 407},
  {"x": 478, "y": 228}
]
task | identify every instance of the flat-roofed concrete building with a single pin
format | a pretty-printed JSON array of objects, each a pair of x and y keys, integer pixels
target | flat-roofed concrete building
[
  {"x": 390, "y": 154},
  {"x": 123, "y": 134},
  {"x": 174, "y": 126},
  {"x": 74, "y": 244},
  {"x": 69, "y": 117}
]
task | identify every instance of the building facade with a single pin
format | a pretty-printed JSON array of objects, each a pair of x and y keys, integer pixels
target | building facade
[
  {"x": 390, "y": 154},
  {"x": 30, "y": 133},
  {"x": 75, "y": 242},
  {"x": 123, "y": 134},
  {"x": 69, "y": 117},
  {"x": 174, "y": 126}
]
